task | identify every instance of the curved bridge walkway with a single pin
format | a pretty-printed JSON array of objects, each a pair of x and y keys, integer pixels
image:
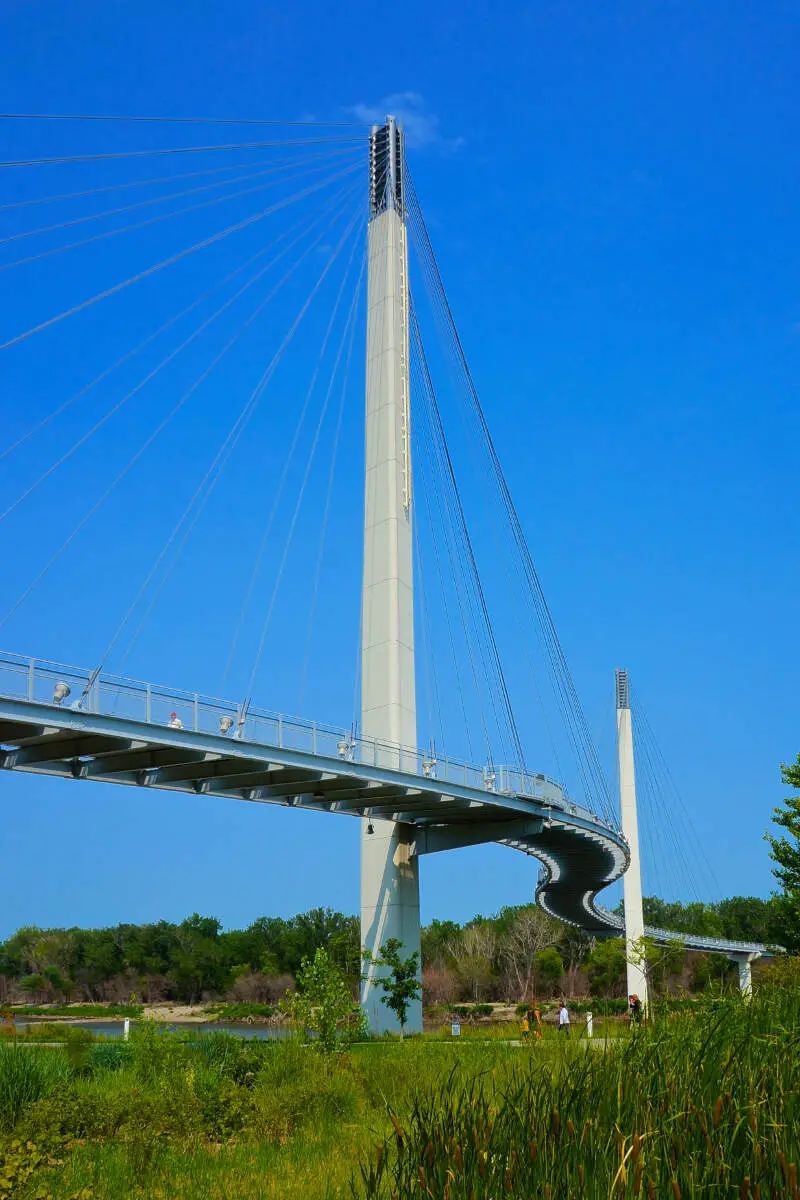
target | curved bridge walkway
[{"x": 73, "y": 723}]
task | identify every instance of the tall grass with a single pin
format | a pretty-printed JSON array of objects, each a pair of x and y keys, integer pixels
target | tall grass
[
  {"x": 27, "y": 1075},
  {"x": 702, "y": 1104}
]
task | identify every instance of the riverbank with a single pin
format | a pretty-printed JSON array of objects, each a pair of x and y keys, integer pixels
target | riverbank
[{"x": 166, "y": 1014}]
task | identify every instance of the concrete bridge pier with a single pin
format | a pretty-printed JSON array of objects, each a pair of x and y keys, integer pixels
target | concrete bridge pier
[
  {"x": 743, "y": 962},
  {"x": 632, "y": 881},
  {"x": 389, "y": 872}
]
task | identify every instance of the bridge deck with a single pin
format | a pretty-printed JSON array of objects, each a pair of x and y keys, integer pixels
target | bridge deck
[{"x": 124, "y": 732}]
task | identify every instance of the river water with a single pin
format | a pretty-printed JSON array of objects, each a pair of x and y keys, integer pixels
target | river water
[{"x": 113, "y": 1029}]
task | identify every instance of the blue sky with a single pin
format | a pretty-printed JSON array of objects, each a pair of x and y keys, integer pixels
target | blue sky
[{"x": 612, "y": 196}]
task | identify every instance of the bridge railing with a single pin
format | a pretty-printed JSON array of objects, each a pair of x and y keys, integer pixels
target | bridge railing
[
  {"x": 44, "y": 682},
  {"x": 690, "y": 940}
]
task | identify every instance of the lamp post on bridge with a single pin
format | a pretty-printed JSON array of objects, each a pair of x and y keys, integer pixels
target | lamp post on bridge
[{"x": 389, "y": 872}]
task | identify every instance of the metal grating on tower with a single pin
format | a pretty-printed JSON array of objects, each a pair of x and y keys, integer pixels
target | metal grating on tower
[
  {"x": 386, "y": 159},
  {"x": 623, "y": 694}
]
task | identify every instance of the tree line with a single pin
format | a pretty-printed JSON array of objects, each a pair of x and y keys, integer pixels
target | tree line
[{"x": 513, "y": 955}]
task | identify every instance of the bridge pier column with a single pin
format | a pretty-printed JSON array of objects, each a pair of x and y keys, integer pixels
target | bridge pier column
[
  {"x": 743, "y": 961},
  {"x": 389, "y": 872},
  {"x": 389, "y": 909},
  {"x": 632, "y": 882}
]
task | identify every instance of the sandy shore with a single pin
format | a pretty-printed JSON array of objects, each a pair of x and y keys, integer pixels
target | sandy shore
[{"x": 167, "y": 1014}]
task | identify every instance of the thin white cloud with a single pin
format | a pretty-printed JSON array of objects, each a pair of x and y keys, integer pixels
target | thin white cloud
[{"x": 422, "y": 127}]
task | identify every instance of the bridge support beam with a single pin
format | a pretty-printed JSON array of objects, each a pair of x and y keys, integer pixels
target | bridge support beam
[
  {"x": 389, "y": 872},
  {"x": 743, "y": 961},
  {"x": 632, "y": 882}
]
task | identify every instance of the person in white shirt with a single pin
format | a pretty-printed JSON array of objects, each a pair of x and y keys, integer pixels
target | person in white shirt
[{"x": 563, "y": 1019}]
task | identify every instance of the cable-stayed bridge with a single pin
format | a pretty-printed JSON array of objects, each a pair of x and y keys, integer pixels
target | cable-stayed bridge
[{"x": 94, "y": 725}]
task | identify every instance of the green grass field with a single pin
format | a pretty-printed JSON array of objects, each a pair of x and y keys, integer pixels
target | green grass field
[{"x": 703, "y": 1103}]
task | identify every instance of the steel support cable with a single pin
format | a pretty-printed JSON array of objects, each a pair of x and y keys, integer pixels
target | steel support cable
[
  {"x": 445, "y": 517},
  {"x": 285, "y": 473},
  {"x": 168, "y": 216},
  {"x": 328, "y": 498},
  {"x": 682, "y": 883},
  {"x": 155, "y": 371},
  {"x": 449, "y": 624},
  {"x": 181, "y": 254},
  {"x": 251, "y": 173},
  {"x": 480, "y": 472},
  {"x": 467, "y": 541},
  {"x": 646, "y": 774},
  {"x": 436, "y": 303},
  {"x": 179, "y": 120},
  {"x": 467, "y": 588},
  {"x": 160, "y": 153},
  {"x": 134, "y": 183},
  {"x": 428, "y": 657},
  {"x": 560, "y": 695},
  {"x": 259, "y": 652},
  {"x": 683, "y": 875},
  {"x": 209, "y": 481},
  {"x": 546, "y": 621},
  {"x": 666, "y": 773},
  {"x": 513, "y": 595},
  {"x": 659, "y": 769},
  {"x": 306, "y": 221},
  {"x": 443, "y": 510},
  {"x": 131, "y": 462},
  {"x": 651, "y": 861},
  {"x": 446, "y": 508}
]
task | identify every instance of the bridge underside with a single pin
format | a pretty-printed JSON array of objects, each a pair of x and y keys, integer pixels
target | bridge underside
[{"x": 580, "y": 856}]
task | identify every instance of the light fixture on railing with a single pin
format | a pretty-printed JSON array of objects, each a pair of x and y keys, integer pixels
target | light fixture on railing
[
  {"x": 61, "y": 691},
  {"x": 370, "y": 827},
  {"x": 225, "y": 724},
  {"x": 345, "y": 747}
]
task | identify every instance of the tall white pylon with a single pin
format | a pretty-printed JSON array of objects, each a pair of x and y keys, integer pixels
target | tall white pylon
[
  {"x": 632, "y": 882},
  {"x": 389, "y": 874}
]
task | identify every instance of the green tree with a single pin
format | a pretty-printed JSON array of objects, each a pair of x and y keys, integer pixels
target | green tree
[
  {"x": 549, "y": 966},
  {"x": 322, "y": 1000},
  {"x": 607, "y": 964},
  {"x": 35, "y": 985},
  {"x": 401, "y": 985},
  {"x": 658, "y": 960},
  {"x": 785, "y": 853},
  {"x": 438, "y": 940}
]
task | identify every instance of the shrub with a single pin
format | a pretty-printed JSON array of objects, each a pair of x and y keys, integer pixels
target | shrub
[
  {"x": 471, "y": 1011},
  {"x": 26, "y": 1075},
  {"x": 231, "y": 1057},
  {"x": 109, "y": 1056}
]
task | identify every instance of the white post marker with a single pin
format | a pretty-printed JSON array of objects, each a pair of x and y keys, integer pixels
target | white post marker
[
  {"x": 632, "y": 883},
  {"x": 589, "y": 1025},
  {"x": 126, "y": 1029}
]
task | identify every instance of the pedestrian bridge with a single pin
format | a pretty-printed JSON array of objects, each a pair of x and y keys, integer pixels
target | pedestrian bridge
[{"x": 82, "y": 725}]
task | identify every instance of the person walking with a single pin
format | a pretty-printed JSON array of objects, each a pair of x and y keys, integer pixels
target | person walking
[
  {"x": 563, "y": 1019},
  {"x": 526, "y": 1027}
]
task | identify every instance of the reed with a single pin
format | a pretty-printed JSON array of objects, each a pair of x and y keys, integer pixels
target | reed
[{"x": 705, "y": 1103}]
